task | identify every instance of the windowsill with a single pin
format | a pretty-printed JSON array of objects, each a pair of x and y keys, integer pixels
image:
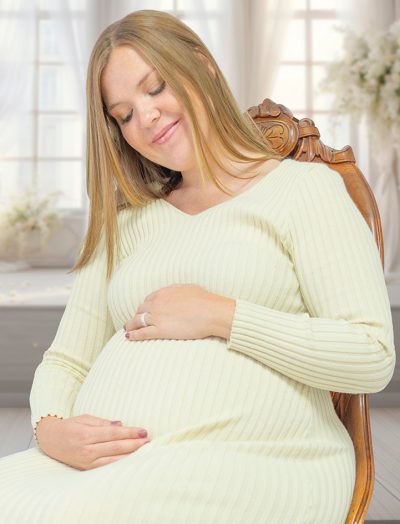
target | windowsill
[{"x": 35, "y": 287}]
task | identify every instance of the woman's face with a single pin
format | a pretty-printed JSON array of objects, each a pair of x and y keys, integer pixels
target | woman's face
[{"x": 150, "y": 117}]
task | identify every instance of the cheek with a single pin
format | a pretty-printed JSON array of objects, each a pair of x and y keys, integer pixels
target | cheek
[
  {"x": 187, "y": 134},
  {"x": 131, "y": 137}
]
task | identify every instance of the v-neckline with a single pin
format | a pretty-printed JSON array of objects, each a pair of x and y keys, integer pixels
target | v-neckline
[{"x": 227, "y": 201}]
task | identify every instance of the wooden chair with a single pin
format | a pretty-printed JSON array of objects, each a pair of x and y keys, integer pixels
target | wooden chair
[{"x": 299, "y": 139}]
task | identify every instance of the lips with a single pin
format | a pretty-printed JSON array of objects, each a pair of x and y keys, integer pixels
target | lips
[{"x": 165, "y": 133}]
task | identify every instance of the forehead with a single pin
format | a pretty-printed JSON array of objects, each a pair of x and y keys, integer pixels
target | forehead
[{"x": 124, "y": 69}]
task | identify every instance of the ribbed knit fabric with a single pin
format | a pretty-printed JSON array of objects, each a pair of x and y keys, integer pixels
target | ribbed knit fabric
[{"x": 243, "y": 430}]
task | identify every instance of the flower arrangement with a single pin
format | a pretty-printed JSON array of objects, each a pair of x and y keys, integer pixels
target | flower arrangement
[
  {"x": 367, "y": 80},
  {"x": 27, "y": 213}
]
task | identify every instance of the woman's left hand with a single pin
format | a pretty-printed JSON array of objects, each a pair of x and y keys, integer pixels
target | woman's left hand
[{"x": 182, "y": 311}]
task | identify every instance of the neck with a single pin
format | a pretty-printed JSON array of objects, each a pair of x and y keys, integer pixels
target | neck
[{"x": 191, "y": 178}]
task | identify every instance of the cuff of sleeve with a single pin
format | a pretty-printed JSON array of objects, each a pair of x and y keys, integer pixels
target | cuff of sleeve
[
  {"x": 37, "y": 422},
  {"x": 253, "y": 323}
]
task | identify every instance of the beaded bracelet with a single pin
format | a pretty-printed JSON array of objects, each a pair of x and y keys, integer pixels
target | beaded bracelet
[{"x": 43, "y": 416}]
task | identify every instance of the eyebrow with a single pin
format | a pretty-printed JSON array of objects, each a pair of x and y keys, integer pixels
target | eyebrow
[{"x": 138, "y": 85}]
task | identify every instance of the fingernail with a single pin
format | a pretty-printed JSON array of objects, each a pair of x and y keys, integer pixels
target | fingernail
[
  {"x": 116, "y": 422},
  {"x": 142, "y": 433},
  {"x": 127, "y": 335}
]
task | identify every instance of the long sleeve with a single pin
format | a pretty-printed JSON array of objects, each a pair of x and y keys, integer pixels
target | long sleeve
[
  {"x": 345, "y": 341},
  {"x": 84, "y": 329}
]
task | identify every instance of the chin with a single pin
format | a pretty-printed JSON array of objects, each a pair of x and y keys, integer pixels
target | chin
[{"x": 177, "y": 165}]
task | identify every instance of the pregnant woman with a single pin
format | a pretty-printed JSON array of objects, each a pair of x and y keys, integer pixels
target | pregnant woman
[{"x": 220, "y": 294}]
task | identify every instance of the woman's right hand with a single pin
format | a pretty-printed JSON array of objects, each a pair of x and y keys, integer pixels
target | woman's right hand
[{"x": 86, "y": 442}]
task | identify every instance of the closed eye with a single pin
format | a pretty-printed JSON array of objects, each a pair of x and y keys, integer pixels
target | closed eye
[
  {"x": 127, "y": 118},
  {"x": 159, "y": 89},
  {"x": 152, "y": 93}
]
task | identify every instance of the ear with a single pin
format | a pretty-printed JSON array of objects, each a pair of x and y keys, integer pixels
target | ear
[{"x": 205, "y": 60}]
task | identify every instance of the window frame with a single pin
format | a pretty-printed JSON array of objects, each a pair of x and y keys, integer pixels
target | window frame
[{"x": 309, "y": 15}]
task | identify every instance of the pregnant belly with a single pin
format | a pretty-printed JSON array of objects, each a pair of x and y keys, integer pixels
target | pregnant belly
[{"x": 191, "y": 389}]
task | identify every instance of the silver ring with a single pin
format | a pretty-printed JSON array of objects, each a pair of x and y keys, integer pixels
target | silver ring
[{"x": 142, "y": 320}]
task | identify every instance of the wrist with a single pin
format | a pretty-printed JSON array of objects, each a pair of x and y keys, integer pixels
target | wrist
[
  {"x": 44, "y": 422},
  {"x": 223, "y": 312}
]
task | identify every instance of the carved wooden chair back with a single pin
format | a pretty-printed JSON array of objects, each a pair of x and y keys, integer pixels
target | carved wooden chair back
[{"x": 300, "y": 140}]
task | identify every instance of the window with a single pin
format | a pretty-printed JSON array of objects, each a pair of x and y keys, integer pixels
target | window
[
  {"x": 57, "y": 118},
  {"x": 50, "y": 157},
  {"x": 311, "y": 43}
]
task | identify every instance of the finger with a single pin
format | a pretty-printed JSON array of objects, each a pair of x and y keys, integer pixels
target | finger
[
  {"x": 144, "y": 333},
  {"x": 152, "y": 295},
  {"x": 116, "y": 447},
  {"x": 147, "y": 301},
  {"x": 91, "y": 420},
  {"x": 146, "y": 307},
  {"x": 112, "y": 433},
  {"x": 103, "y": 461},
  {"x": 129, "y": 324},
  {"x": 135, "y": 322}
]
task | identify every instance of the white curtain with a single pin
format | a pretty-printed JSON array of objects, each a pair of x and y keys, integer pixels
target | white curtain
[
  {"x": 16, "y": 47},
  {"x": 254, "y": 33},
  {"x": 382, "y": 172},
  {"x": 75, "y": 39}
]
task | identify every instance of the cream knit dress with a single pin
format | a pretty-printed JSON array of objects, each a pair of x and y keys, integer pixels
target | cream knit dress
[{"x": 243, "y": 430}]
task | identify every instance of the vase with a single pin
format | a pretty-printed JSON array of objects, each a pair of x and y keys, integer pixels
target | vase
[{"x": 18, "y": 255}]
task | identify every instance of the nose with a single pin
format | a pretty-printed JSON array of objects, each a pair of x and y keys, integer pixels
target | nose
[{"x": 150, "y": 115}]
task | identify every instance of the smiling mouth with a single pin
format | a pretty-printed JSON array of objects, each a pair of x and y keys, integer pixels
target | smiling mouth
[{"x": 167, "y": 134}]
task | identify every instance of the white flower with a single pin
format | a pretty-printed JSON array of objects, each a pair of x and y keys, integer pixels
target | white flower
[
  {"x": 367, "y": 79},
  {"x": 28, "y": 212}
]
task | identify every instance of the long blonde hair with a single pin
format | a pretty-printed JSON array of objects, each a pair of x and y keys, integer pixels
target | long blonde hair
[{"x": 117, "y": 175}]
